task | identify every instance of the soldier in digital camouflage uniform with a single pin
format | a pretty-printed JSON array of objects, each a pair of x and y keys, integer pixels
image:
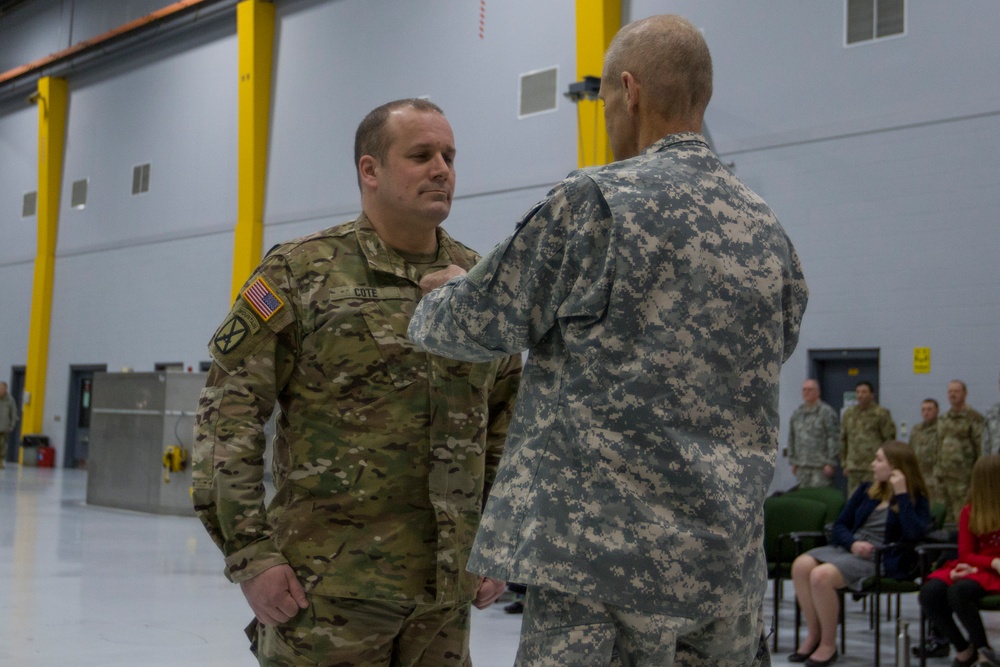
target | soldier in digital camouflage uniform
[
  {"x": 863, "y": 429},
  {"x": 991, "y": 431},
  {"x": 813, "y": 439},
  {"x": 383, "y": 453},
  {"x": 658, "y": 297},
  {"x": 960, "y": 437},
  {"x": 924, "y": 442}
]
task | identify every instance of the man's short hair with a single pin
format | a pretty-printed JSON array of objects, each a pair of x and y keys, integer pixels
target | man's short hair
[
  {"x": 669, "y": 57},
  {"x": 931, "y": 400},
  {"x": 866, "y": 383},
  {"x": 372, "y": 137},
  {"x": 964, "y": 388}
]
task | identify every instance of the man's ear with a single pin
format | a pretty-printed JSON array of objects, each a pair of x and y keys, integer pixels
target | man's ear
[
  {"x": 368, "y": 168},
  {"x": 633, "y": 92}
]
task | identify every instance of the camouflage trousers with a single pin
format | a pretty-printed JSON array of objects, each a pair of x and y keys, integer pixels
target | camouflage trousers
[
  {"x": 954, "y": 492},
  {"x": 812, "y": 477},
  {"x": 559, "y": 629},
  {"x": 337, "y": 632},
  {"x": 935, "y": 494}
]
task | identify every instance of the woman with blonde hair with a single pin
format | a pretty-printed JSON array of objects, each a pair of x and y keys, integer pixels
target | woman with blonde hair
[
  {"x": 892, "y": 509},
  {"x": 955, "y": 589}
]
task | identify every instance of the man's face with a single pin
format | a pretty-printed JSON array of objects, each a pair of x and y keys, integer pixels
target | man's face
[
  {"x": 416, "y": 182},
  {"x": 928, "y": 411},
  {"x": 3, "y": 389},
  {"x": 956, "y": 395},
  {"x": 617, "y": 121},
  {"x": 864, "y": 395},
  {"x": 810, "y": 392}
]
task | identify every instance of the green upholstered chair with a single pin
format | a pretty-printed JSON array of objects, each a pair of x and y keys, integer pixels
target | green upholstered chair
[
  {"x": 829, "y": 496},
  {"x": 784, "y": 517}
]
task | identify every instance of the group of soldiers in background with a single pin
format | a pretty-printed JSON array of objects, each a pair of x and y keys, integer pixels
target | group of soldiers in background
[{"x": 947, "y": 446}]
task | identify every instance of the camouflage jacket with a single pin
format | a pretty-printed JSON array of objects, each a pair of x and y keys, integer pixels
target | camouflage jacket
[
  {"x": 991, "y": 431},
  {"x": 960, "y": 440},
  {"x": 659, "y": 297},
  {"x": 862, "y": 432},
  {"x": 8, "y": 414},
  {"x": 382, "y": 452},
  {"x": 813, "y": 436},
  {"x": 924, "y": 442}
]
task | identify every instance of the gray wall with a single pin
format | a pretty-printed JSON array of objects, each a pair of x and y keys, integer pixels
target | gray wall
[{"x": 879, "y": 159}]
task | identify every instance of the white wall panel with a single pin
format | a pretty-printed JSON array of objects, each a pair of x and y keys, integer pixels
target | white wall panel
[{"x": 18, "y": 175}]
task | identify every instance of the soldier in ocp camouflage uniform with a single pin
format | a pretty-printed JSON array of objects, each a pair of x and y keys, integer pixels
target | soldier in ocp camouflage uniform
[
  {"x": 924, "y": 442},
  {"x": 863, "y": 429},
  {"x": 8, "y": 420},
  {"x": 960, "y": 437},
  {"x": 658, "y": 297},
  {"x": 813, "y": 439},
  {"x": 383, "y": 453},
  {"x": 991, "y": 431}
]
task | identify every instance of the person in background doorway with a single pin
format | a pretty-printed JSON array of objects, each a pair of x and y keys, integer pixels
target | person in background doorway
[
  {"x": 863, "y": 429},
  {"x": 960, "y": 440},
  {"x": 813, "y": 442},
  {"x": 8, "y": 420},
  {"x": 658, "y": 297},
  {"x": 383, "y": 454}
]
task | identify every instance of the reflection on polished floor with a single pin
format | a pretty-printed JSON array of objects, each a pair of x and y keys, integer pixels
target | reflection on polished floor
[{"x": 84, "y": 586}]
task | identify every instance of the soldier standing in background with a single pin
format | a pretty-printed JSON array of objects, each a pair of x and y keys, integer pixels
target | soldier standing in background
[
  {"x": 991, "y": 431},
  {"x": 8, "y": 419},
  {"x": 658, "y": 297},
  {"x": 924, "y": 442},
  {"x": 863, "y": 429},
  {"x": 383, "y": 453},
  {"x": 960, "y": 438},
  {"x": 813, "y": 443}
]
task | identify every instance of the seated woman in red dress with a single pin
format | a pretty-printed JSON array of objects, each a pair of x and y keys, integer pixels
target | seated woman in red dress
[{"x": 954, "y": 590}]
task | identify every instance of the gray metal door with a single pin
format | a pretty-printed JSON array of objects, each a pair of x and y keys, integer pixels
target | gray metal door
[{"x": 81, "y": 383}]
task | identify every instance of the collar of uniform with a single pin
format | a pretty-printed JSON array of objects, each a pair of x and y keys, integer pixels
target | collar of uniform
[
  {"x": 674, "y": 140},
  {"x": 383, "y": 258}
]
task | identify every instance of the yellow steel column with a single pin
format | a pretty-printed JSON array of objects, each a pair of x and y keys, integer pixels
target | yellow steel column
[
  {"x": 51, "y": 100},
  {"x": 255, "y": 30},
  {"x": 597, "y": 21}
]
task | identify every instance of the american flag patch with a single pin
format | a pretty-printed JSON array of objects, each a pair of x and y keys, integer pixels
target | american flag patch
[{"x": 263, "y": 300}]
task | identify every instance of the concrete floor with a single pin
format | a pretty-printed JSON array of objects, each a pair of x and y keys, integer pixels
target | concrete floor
[{"x": 83, "y": 585}]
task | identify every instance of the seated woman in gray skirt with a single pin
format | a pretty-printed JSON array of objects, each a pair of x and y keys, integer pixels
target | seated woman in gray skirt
[{"x": 893, "y": 508}]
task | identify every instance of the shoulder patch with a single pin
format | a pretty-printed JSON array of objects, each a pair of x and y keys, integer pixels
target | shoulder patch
[
  {"x": 232, "y": 332},
  {"x": 262, "y": 299}
]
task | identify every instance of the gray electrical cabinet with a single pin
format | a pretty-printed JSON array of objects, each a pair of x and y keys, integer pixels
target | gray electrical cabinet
[{"x": 135, "y": 417}]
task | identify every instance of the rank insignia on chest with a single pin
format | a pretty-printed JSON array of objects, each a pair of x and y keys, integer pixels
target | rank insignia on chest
[{"x": 263, "y": 299}]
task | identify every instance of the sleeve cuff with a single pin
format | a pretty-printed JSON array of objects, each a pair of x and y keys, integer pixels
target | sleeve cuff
[{"x": 250, "y": 561}]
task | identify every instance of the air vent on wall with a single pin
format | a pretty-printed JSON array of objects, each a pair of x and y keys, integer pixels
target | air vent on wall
[
  {"x": 868, "y": 20},
  {"x": 140, "y": 178},
  {"x": 78, "y": 197},
  {"x": 538, "y": 92},
  {"x": 29, "y": 205}
]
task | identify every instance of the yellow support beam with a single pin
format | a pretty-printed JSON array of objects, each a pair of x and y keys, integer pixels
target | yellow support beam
[
  {"x": 597, "y": 21},
  {"x": 51, "y": 100},
  {"x": 255, "y": 35}
]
